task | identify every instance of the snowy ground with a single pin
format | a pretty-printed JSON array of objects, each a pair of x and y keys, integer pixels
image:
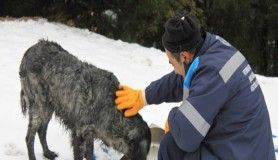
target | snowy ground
[{"x": 134, "y": 65}]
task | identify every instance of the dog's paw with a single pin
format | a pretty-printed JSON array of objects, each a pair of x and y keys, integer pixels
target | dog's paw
[{"x": 50, "y": 155}]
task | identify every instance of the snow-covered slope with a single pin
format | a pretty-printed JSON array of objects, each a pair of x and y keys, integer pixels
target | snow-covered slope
[{"x": 134, "y": 65}]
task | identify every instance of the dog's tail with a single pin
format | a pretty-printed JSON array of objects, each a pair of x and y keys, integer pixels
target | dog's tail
[
  {"x": 26, "y": 96},
  {"x": 23, "y": 103},
  {"x": 25, "y": 86}
]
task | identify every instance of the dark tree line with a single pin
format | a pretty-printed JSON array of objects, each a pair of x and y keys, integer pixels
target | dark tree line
[{"x": 250, "y": 25}]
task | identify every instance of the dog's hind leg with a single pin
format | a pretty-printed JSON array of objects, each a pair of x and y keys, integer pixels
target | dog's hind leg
[
  {"x": 42, "y": 133},
  {"x": 33, "y": 127}
]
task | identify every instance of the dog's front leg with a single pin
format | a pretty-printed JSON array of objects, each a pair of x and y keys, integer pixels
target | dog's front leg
[
  {"x": 89, "y": 146},
  {"x": 76, "y": 144}
]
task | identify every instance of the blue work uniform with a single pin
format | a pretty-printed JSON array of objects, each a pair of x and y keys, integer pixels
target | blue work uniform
[{"x": 223, "y": 114}]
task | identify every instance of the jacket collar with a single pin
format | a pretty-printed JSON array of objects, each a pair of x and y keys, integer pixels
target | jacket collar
[{"x": 203, "y": 47}]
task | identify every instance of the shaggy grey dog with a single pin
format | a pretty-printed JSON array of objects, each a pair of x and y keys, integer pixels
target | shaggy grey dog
[{"x": 82, "y": 97}]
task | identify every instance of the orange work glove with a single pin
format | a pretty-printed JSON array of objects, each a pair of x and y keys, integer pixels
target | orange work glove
[
  {"x": 130, "y": 100},
  {"x": 166, "y": 127}
]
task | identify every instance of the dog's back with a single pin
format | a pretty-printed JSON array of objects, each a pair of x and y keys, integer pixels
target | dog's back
[{"x": 82, "y": 96}]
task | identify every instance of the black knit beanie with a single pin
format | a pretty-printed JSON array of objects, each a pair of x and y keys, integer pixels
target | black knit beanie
[{"x": 182, "y": 32}]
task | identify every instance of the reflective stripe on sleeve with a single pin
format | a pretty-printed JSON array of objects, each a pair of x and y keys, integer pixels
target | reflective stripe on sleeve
[
  {"x": 194, "y": 117},
  {"x": 231, "y": 66}
]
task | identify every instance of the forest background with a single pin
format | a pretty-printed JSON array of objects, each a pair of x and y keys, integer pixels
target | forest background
[{"x": 249, "y": 25}]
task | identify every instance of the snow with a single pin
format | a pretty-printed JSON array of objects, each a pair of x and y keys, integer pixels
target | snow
[{"x": 133, "y": 64}]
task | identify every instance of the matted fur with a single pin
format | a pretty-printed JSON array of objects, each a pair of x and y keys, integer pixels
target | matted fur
[{"x": 82, "y": 97}]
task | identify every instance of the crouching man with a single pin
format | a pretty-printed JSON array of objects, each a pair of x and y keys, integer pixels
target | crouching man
[{"x": 223, "y": 114}]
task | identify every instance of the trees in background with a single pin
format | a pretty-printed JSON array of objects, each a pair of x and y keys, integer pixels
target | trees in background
[
  {"x": 250, "y": 25},
  {"x": 272, "y": 38}
]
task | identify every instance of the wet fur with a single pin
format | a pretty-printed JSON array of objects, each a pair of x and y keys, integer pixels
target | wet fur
[{"x": 82, "y": 97}]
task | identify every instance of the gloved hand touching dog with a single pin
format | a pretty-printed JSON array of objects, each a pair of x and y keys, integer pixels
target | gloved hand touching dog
[{"x": 130, "y": 100}]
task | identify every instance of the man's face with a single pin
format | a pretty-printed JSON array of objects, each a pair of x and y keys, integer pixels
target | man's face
[{"x": 178, "y": 66}]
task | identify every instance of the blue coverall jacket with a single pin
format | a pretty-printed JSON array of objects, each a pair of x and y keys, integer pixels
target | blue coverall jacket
[{"x": 223, "y": 112}]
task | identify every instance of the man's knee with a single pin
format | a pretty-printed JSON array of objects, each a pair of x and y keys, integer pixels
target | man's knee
[
  {"x": 168, "y": 149},
  {"x": 166, "y": 141},
  {"x": 162, "y": 151}
]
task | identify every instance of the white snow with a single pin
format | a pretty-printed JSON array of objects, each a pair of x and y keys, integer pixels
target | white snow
[{"x": 133, "y": 64}]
